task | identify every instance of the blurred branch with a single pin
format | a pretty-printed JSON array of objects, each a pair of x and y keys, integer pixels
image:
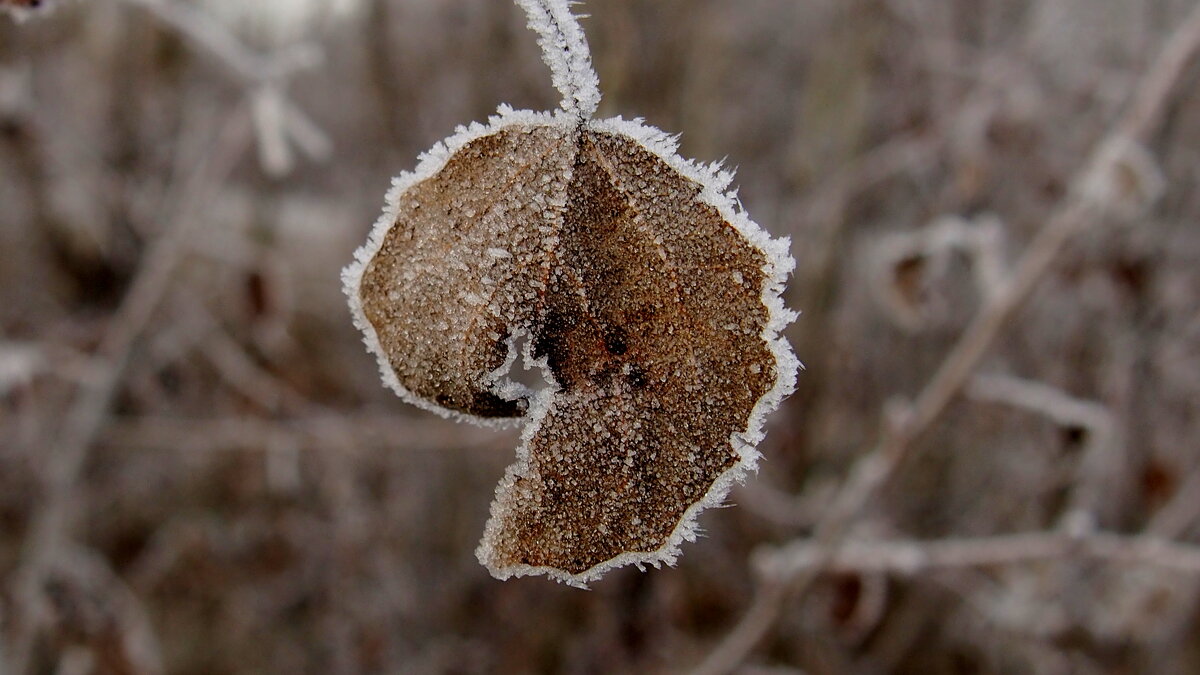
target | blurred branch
[
  {"x": 321, "y": 430},
  {"x": 905, "y": 424},
  {"x": 907, "y": 558},
  {"x": 240, "y": 371},
  {"x": 67, "y": 451},
  {"x": 120, "y": 625},
  {"x": 903, "y": 261},
  {"x": 22, "y": 362},
  {"x": 1101, "y": 462},
  {"x": 213, "y": 38},
  {"x": 279, "y": 122},
  {"x": 782, "y": 507},
  {"x": 1043, "y": 400}
]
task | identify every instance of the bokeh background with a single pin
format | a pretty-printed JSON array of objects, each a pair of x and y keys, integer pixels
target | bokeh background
[{"x": 200, "y": 471}]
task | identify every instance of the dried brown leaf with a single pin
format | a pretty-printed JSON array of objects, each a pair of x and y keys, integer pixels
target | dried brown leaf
[{"x": 648, "y": 298}]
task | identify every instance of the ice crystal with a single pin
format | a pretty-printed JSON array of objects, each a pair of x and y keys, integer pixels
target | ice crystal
[{"x": 633, "y": 279}]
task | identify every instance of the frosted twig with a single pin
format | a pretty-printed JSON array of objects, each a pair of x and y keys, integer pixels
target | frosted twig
[
  {"x": 908, "y": 558},
  {"x": 929, "y": 248},
  {"x": 785, "y": 508},
  {"x": 903, "y": 428},
  {"x": 1042, "y": 399},
  {"x": 277, "y": 119},
  {"x": 565, "y": 51},
  {"x": 1102, "y": 446},
  {"x": 321, "y": 430}
]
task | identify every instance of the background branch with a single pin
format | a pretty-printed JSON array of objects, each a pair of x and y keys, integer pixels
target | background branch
[
  {"x": 905, "y": 425},
  {"x": 909, "y": 558},
  {"x": 68, "y": 449}
]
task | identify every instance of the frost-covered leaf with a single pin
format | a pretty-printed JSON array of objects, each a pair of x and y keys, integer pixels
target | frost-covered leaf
[{"x": 631, "y": 277}]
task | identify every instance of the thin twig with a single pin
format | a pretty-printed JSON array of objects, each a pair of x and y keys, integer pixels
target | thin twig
[
  {"x": 908, "y": 558},
  {"x": 897, "y": 444},
  {"x": 1042, "y": 399},
  {"x": 316, "y": 429}
]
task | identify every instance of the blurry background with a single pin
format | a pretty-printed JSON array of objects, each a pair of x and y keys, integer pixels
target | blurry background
[{"x": 200, "y": 471}]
